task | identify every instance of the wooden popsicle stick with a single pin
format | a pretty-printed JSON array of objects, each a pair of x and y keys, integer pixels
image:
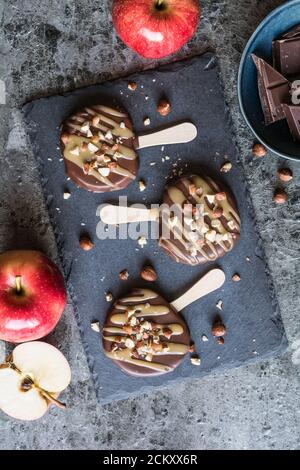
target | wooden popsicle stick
[
  {"x": 212, "y": 281},
  {"x": 113, "y": 215},
  {"x": 178, "y": 134}
]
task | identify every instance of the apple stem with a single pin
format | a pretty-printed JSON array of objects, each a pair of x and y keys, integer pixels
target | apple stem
[
  {"x": 159, "y": 3},
  {"x": 18, "y": 284}
]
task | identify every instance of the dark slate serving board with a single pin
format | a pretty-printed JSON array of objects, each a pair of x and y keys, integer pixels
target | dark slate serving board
[{"x": 250, "y": 312}]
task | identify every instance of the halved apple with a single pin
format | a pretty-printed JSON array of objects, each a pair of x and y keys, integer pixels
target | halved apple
[{"x": 31, "y": 379}]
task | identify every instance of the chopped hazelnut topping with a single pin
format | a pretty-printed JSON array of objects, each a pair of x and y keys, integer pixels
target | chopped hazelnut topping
[
  {"x": 85, "y": 128},
  {"x": 129, "y": 343},
  {"x": 147, "y": 122},
  {"x": 75, "y": 151},
  {"x": 112, "y": 166},
  {"x": 167, "y": 333},
  {"x": 231, "y": 224},
  {"x": 92, "y": 148},
  {"x": 108, "y": 135},
  {"x": 86, "y": 168},
  {"x": 96, "y": 120},
  {"x": 95, "y": 139},
  {"x": 211, "y": 236},
  {"x": 104, "y": 171},
  {"x": 210, "y": 199},
  {"x": 221, "y": 197},
  {"x": 157, "y": 347},
  {"x": 192, "y": 189},
  {"x": 128, "y": 329}
]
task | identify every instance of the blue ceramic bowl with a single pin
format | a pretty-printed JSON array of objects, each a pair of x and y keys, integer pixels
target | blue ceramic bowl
[{"x": 275, "y": 137}]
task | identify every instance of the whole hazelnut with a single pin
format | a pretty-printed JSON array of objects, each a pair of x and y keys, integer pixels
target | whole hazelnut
[
  {"x": 280, "y": 196},
  {"x": 86, "y": 243},
  {"x": 149, "y": 274},
  {"x": 285, "y": 175},
  {"x": 259, "y": 150},
  {"x": 219, "y": 329},
  {"x": 236, "y": 277},
  {"x": 221, "y": 196},
  {"x": 164, "y": 107},
  {"x": 132, "y": 86}
]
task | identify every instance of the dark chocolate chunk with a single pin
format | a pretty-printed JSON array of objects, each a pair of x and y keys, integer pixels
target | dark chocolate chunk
[
  {"x": 292, "y": 114},
  {"x": 286, "y": 55},
  {"x": 144, "y": 335},
  {"x": 274, "y": 90},
  {"x": 202, "y": 222}
]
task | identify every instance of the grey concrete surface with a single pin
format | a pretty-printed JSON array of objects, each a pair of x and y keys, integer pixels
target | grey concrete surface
[{"x": 49, "y": 46}]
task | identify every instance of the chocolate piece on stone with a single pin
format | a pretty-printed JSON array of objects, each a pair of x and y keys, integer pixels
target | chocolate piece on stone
[
  {"x": 144, "y": 335},
  {"x": 98, "y": 144},
  {"x": 292, "y": 114},
  {"x": 199, "y": 222},
  {"x": 274, "y": 90}
]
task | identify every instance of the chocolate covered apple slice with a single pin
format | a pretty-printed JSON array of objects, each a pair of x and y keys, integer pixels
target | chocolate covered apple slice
[
  {"x": 199, "y": 219},
  {"x": 100, "y": 146},
  {"x": 31, "y": 379},
  {"x": 146, "y": 335},
  {"x": 203, "y": 223}
]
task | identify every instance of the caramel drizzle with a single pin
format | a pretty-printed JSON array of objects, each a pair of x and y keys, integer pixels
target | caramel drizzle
[
  {"x": 82, "y": 128},
  {"x": 137, "y": 305},
  {"x": 208, "y": 249}
]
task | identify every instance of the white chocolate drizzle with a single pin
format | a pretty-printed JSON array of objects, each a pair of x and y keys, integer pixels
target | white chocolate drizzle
[
  {"x": 206, "y": 234},
  {"x": 137, "y": 341},
  {"x": 96, "y": 140}
]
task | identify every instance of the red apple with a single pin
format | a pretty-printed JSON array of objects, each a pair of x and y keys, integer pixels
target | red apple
[
  {"x": 32, "y": 296},
  {"x": 156, "y": 28}
]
